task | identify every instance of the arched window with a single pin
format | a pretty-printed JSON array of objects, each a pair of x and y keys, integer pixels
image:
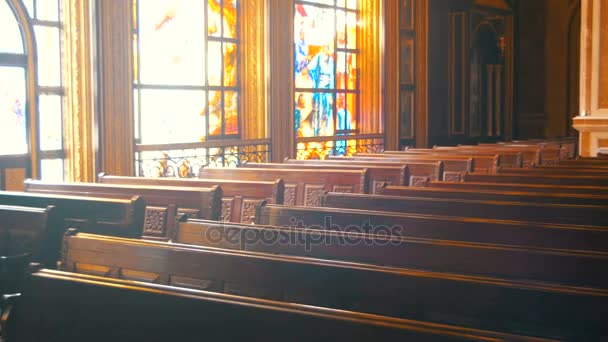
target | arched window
[{"x": 31, "y": 117}]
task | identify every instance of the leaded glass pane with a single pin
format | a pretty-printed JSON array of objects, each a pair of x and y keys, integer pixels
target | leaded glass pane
[
  {"x": 11, "y": 40},
  {"x": 229, "y": 22},
  {"x": 351, "y": 30},
  {"x": 52, "y": 170},
  {"x": 171, "y": 42},
  {"x": 231, "y": 110},
  {"x": 215, "y": 59},
  {"x": 172, "y": 116},
  {"x": 50, "y": 122},
  {"x": 49, "y": 56},
  {"x": 13, "y": 116},
  {"x": 29, "y": 5},
  {"x": 230, "y": 67}
]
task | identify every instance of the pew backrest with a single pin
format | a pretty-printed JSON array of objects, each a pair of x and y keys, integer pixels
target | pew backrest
[
  {"x": 537, "y": 179},
  {"x": 302, "y": 186},
  {"x": 239, "y": 198},
  {"x": 581, "y": 190}
]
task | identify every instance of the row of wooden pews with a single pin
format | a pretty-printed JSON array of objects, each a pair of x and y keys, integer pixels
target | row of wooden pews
[{"x": 354, "y": 248}]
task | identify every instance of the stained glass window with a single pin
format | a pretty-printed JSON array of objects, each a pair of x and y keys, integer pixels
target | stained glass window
[
  {"x": 185, "y": 70},
  {"x": 326, "y": 85}
]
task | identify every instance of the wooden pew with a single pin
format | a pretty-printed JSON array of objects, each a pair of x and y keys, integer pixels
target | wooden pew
[
  {"x": 302, "y": 186},
  {"x": 528, "y": 307},
  {"x": 453, "y": 168},
  {"x": 579, "y": 190},
  {"x": 378, "y": 175},
  {"x": 117, "y": 310},
  {"x": 420, "y": 172},
  {"x": 558, "y": 171},
  {"x": 476, "y": 162},
  {"x": 585, "y": 162},
  {"x": 162, "y": 203},
  {"x": 568, "y": 214},
  {"x": 506, "y": 158},
  {"x": 576, "y": 268},
  {"x": 24, "y": 233},
  {"x": 547, "y": 155},
  {"x": 536, "y": 179},
  {"x": 239, "y": 198},
  {"x": 530, "y": 156},
  {"x": 506, "y": 232},
  {"x": 486, "y": 193},
  {"x": 106, "y": 216}
]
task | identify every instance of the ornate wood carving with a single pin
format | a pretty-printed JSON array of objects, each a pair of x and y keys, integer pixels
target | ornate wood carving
[
  {"x": 452, "y": 176},
  {"x": 418, "y": 180},
  {"x": 155, "y": 221},
  {"x": 191, "y": 213},
  {"x": 312, "y": 195},
  {"x": 248, "y": 210},
  {"x": 378, "y": 185},
  {"x": 227, "y": 209},
  {"x": 290, "y": 194},
  {"x": 343, "y": 188}
]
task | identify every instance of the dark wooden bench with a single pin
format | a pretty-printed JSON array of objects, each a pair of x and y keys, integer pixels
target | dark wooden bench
[
  {"x": 528, "y": 307},
  {"x": 67, "y": 307},
  {"x": 239, "y": 198},
  {"x": 536, "y": 179},
  {"x": 580, "y": 190},
  {"x": 24, "y": 233},
  {"x": 530, "y": 156},
  {"x": 568, "y": 214},
  {"x": 557, "y": 171},
  {"x": 162, "y": 203},
  {"x": 475, "y": 162},
  {"x": 521, "y": 194},
  {"x": 420, "y": 172},
  {"x": 506, "y": 158},
  {"x": 507, "y": 232},
  {"x": 453, "y": 168},
  {"x": 302, "y": 186},
  {"x": 512, "y": 262},
  {"x": 378, "y": 175}
]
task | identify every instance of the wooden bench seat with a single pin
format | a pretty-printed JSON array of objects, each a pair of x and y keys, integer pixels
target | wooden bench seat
[
  {"x": 530, "y": 156},
  {"x": 579, "y": 190},
  {"x": 378, "y": 175},
  {"x": 528, "y": 307},
  {"x": 547, "y": 155},
  {"x": 239, "y": 198},
  {"x": 420, "y": 172},
  {"x": 117, "y": 310},
  {"x": 568, "y": 214},
  {"x": 506, "y": 232},
  {"x": 536, "y": 179},
  {"x": 521, "y": 194},
  {"x": 513, "y": 262},
  {"x": 302, "y": 186},
  {"x": 476, "y": 162},
  {"x": 163, "y": 203},
  {"x": 557, "y": 171}
]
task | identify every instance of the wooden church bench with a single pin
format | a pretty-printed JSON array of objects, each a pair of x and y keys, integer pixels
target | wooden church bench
[
  {"x": 378, "y": 175},
  {"x": 420, "y": 172},
  {"x": 512, "y": 262},
  {"x": 557, "y": 171},
  {"x": 162, "y": 203},
  {"x": 302, "y": 186},
  {"x": 477, "y": 162},
  {"x": 489, "y": 303},
  {"x": 579, "y": 190},
  {"x": 506, "y": 158},
  {"x": 530, "y": 157},
  {"x": 507, "y": 232},
  {"x": 239, "y": 198},
  {"x": 51, "y": 310},
  {"x": 521, "y": 194},
  {"x": 536, "y": 179},
  {"x": 453, "y": 168},
  {"x": 567, "y": 214}
]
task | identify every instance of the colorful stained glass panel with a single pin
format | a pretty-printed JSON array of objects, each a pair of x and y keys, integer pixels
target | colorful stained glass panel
[{"x": 13, "y": 117}]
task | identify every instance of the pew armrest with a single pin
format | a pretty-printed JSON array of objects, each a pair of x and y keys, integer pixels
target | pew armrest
[{"x": 7, "y": 304}]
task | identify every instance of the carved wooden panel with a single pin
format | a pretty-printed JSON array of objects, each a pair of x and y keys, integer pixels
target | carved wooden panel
[
  {"x": 378, "y": 184},
  {"x": 290, "y": 194},
  {"x": 418, "y": 180},
  {"x": 155, "y": 221},
  {"x": 227, "y": 204},
  {"x": 344, "y": 188},
  {"x": 248, "y": 210},
  {"x": 452, "y": 176},
  {"x": 312, "y": 195},
  {"x": 191, "y": 213}
]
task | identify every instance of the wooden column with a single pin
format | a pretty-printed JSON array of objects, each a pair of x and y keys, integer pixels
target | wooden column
[
  {"x": 370, "y": 67},
  {"x": 592, "y": 122},
  {"x": 391, "y": 77},
  {"x": 422, "y": 73},
  {"x": 114, "y": 56},
  {"x": 79, "y": 104}
]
